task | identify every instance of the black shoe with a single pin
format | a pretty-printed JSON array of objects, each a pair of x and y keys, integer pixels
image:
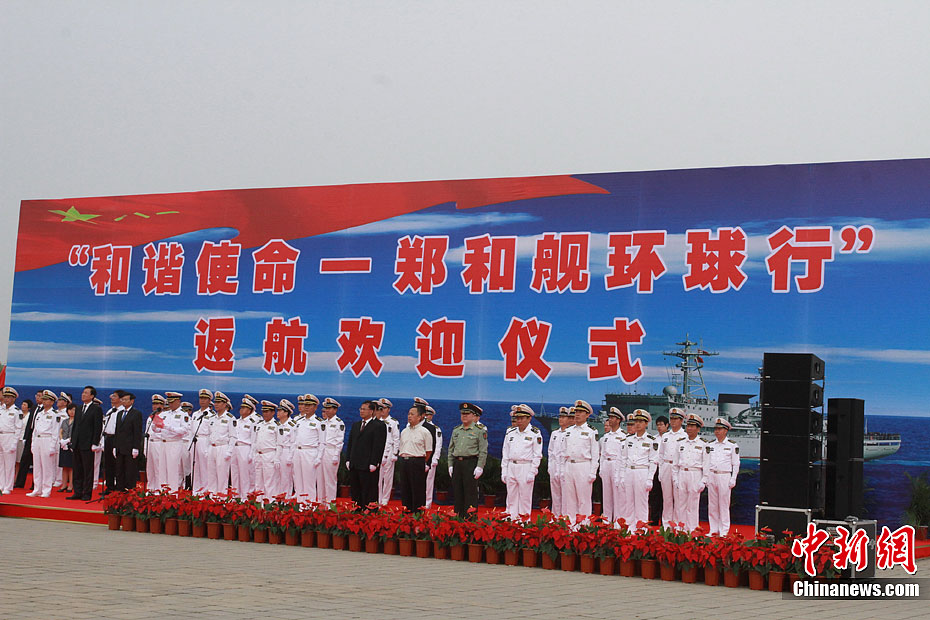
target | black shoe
[{"x": 73, "y": 497}]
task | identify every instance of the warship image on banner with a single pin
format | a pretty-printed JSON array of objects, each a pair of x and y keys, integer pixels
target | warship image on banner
[{"x": 688, "y": 391}]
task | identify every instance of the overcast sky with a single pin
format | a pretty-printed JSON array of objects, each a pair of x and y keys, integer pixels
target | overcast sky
[{"x": 106, "y": 98}]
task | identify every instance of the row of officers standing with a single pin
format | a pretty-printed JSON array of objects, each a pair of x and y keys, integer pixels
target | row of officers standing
[{"x": 278, "y": 449}]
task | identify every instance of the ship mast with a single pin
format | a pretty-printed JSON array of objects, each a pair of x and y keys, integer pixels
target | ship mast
[{"x": 692, "y": 361}]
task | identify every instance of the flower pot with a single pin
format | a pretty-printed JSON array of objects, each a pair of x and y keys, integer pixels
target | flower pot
[
  {"x": 475, "y": 552},
  {"x": 372, "y": 545},
  {"x": 777, "y": 581},
  {"x": 198, "y": 531},
  {"x": 608, "y": 566},
  {"x": 596, "y": 508},
  {"x": 355, "y": 542},
  {"x": 214, "y": 530},
  {"x": 442, "y": 497},
  {"x": 440, "y": 552},
  {"x": 423, "y": 548},
  {"x": 491, "y": 555},
  {"x": 291, "y": 538},
  {"x": 545, "y": 504},
  {"x": 529, "y": 558},
  {"x": 142, "y": 524},
  {"x": 113, "y": 521},
  {"x": 731, "y": 578},
  {"x": 711, "y": 576},
  {"x": 127, "y": 523},
  {"x": 307, "y": 538},
  {"x": 339, "y": 542},
  {"x": 171, "y": 527},
  {"x": 324, "y": 540},
  {"x": 229, "y": 531},
  {"x": 345, "y": 491},
  {"x": 548, "y": 562},
  {"x": 184, "y": 527},
  {"x": 689, "y": 575},
  {"x": 667, "y": 571},
  {"x": 627, "y": 568},
  {"x": 567, "y": 561},
  {"x": 587, "y": 563},
  {"x": 511, "y": 557},
  {"x": 457, "y": 552},
  {"x": 405, "y": 547},
  {"x": 244, "y": 533},
  {"x": 155, "y": 525},
  {"x": 489, "y": 501},
  {"x": 260, "y": 536},
  {"x": 648, "y": 568},
  {"x": 390, "y": 546},
  {"x": 274, "y": 538},
  {"x": 756, "y": 580}
]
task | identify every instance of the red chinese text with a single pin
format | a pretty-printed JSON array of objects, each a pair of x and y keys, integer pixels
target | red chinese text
[
  {"x": 213, "y": 344},
  {"x": 218, "y": 268},
  {"x": 163, "y": 268},
  {"x": 643, "y": 267},
  {"x": 490, "y": 264},
  {"x": 283, "y": 347},
  {"x": 420, "y": 264},
  {"x": 109, "y": 269},
  {"x": 809, "y": 545},
  {"x": 808, "y": 245},
  {"x": 715, "y": 263},
  {"x": 275, "y": 268},
  {"x": 360, "y": 340},
  {"x": 561, "y": 263},
  {"x": 896, "y": 547},
  {"x": 441, "y": 348},
  {"x": 523, "y": 347},
  {"x": 609, "y": 347}
]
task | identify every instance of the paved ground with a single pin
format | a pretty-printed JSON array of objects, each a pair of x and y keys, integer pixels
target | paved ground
[{"x": 140, "y": 576}]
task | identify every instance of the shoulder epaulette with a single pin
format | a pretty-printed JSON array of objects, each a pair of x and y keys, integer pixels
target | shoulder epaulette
[
  {"x": 682, "y": 438},
  {"x": 535, "y": 430},
  {"x": 648, "y": 436}
]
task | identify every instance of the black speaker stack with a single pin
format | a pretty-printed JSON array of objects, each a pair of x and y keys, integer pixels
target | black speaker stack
[
  {"x": 845, "y": 440},
  {"x": 791, "y": 465}
]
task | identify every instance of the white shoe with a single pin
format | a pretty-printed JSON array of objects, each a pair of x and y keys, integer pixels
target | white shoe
[
  {"x": 45, "y": 495},
  {"x": 32, "y": 494}
]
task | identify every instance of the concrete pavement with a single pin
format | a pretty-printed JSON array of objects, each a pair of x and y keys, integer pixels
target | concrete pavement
[{"x": 64, "y": 570}]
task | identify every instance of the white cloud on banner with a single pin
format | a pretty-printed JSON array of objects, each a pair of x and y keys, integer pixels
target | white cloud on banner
[
  {"x": 835, "y": 354},
  {"x": 169, "y": 316},
  {"x": 426, "y": 223},
  {"x": 36, "y": 352}
]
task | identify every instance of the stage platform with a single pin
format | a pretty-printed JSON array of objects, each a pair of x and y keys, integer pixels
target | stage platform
[{"x": 57, "y": 508}]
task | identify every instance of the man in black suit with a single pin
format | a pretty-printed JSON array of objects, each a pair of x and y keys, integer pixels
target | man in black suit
[
  {"x": 127, "y": 442},
  {"x": 363, "y": 454},
  {"x": 85, "y": 433}
]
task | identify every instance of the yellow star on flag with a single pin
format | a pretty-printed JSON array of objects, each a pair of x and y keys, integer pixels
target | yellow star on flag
[{"x": 73, "y": 215}]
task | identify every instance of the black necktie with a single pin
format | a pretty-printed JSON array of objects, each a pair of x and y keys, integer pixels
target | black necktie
[{"x": 119, "y": 419}]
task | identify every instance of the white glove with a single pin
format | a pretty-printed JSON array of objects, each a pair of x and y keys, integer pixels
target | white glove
[
  {"x": 348, "y": 465},
  {"x": 478, "y": 472},
  {"x": 228, "y": 455},
  {"x": 53, "y": 451},
  {"x": 318, "y": 461},
  {"x": 97, "y": 448},
  {"x": 394, "y": 458},
  {"x": 426, "y": 468},
  {"x": 63, "y": 443},
  {"x": 591, "y": 478},
  {"x": 648, "y": 486},
  {"x": 450, "y": 471},
  {"x": 135, "y": 453},
  {"x": 701, "y": 488},
  {"x": 505, "y": 477},
  {"x": 530, "y": 477},
  {"x": 114, "y": 452},
  {"x": 732, "y": 483},
  {"x": 385, "y": 460},
  {"x": 336, "y": 462},
  {"x": 372, "y": 468}
]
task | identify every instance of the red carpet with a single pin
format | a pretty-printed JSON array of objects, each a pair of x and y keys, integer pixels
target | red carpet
[{"x": 57, "y": 508}]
